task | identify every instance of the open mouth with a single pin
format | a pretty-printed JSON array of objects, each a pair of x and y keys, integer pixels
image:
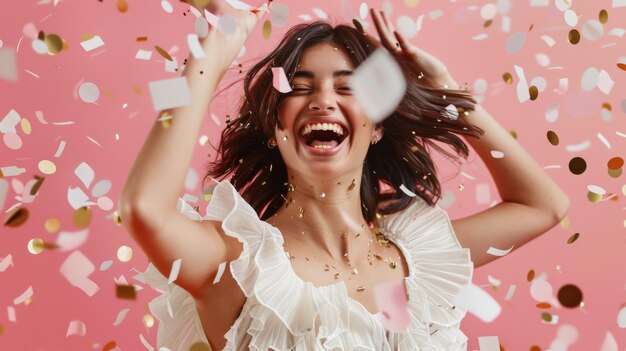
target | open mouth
[{"x": 323, "y": 135}]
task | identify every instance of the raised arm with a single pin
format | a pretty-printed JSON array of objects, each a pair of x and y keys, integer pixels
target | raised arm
[
  {"x": 148, "y": 199},
  {"x": 532, "y": 203}
]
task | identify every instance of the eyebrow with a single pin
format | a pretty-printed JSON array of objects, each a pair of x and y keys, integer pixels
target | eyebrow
[{"x": 309, "y": 74}]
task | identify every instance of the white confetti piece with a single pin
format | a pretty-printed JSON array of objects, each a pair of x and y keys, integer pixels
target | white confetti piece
[
  {"x": 67, "y": 241},
  {"x": 542, "y": 59},
  {"x": 171, "y": 66},
  {"x": 478, "y": 302},
  {"x": 522, "y": 86},
  {"x": 106, "y": 265},
  {"x": 498, "y": 252},
  {"x": 220, "y": 271},
  {"x": 567, "y": 333},
  {"x": 167, "y": 6},
  {"x": 39, "y": 46},
  {"x": 24, "y": 296},
  {"x": 76, "y": 269},
  {"x": 571, "y": 18},
  {"x": 493, "y": 281},
  {"x": 451, "y": 112},
  {"x": 481, "y": 36},
  {"x": 563, "y": 4},
  {"x": 89, "y": 92},
  {"x": 77, "y": 198},
  {"x": 239, "y": 5},
  {"x": 11, "y": 314},
  {"x": 510, "y": 292},
  {"x": 319, "y": 13},
  {"x": 605, "y": 83},
  {"x": 143, "y": 55},
  {"x": 145, "y": 343},
  {"x": 8, "y": 66},
  {"x": 488, "y": 11},
  {"x": 609, "y": 344},
  {"x": 515, "y": 42},
  {"x": 8, "y": 123},
  {"x": 76, "y": 327},
  {"x": 227, "y": 24},
  {"x": 548, "y": 40},
  {"x": 621, "y": 317},
  {"x": 589, "y": 79},
  {"x": 596, "y": 189},
  {"x": 92, "y": 44},
  {"x": 563, "y": 86},
  {"x": 175, "y": 270},
  {"x": 604, "y": 140},
  {"x": 539, "y": 3},
  {"x": 11, "y": 171},
  {"x": 121, "y": 315},
  {"x": 280, "y": 81},
  {"x": 101, "y": 188},
  {"x": 194, "y": 46},
  {"x": 488, "y": 343},
  {"x": 363, "y": 10},
  {"x": 578, "y": 147},
  {"x": 378, "y": 85},
  {"x": 592, "y": 30},
  {"x": 407, "y": 191},
  {"x": 6, "y": 262},
  {"x": 497, "y": 154},
  {"x": 85, "y": 173},
  {"x": 554, "y": 320},
  {"x": 434, "y": 14},
  {"x": 618, "y": 3},
  {"x": 280, "y": 14},
  {"x": 617, "y": 32},
  {"x": 169, "y": 93}
]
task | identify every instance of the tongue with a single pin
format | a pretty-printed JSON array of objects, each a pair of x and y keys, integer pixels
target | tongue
[{"x": 331, "y": 143}]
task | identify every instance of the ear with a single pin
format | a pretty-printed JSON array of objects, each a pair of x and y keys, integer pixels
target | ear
[{"x": 377, "y": 132}]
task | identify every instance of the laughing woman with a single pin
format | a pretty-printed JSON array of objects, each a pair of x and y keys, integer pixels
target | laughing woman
[{"x": 312, "y": 216}]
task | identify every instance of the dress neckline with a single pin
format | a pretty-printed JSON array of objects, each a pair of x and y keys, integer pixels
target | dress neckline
[{"x": 341, "y": 285}]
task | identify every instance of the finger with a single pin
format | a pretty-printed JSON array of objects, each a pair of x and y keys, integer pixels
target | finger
[
  {"x": 387, "y": 21},
  {"x": 405, "y": 45},
  {"x": 385, "y": 36}
]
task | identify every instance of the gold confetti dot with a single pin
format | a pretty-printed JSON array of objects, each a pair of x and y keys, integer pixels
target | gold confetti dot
[
  {"x": 117, "y": 219},
  {"x": 546, "y": 316},
  {"x": 127, "y": 292},
  {"x": 148, "y": 320},
  {"x": 360, "y": 288},
  {"x": 392, "y": 265},
  {"x": 615, "y": 163},
  {"x": 487, "y": 23},
  {"x": 615, "y": 173},
  {"x": 535, "y": 348},
  {"x": 593, "y": 197},
  {"x": 82, "y": 217},
  {"x": 573, "y": 238},
  {"x": 603, "y": 16},
  {"x": 47, "y": 167},
  {"x": 200, "y": 346},
  {"x": 124, "y": 253},
  {"x": 508, "y": 78},
  {"x": 565, "y": 222},
  {"x": 1, "y": 329},
  {"x": 411, "y": 3},
  {"x": 204, "y": 140},
  {"x": 553, "y": 138},
  {"x": 109, "y": 346},
  {"x": 201, "y": 3},
  {"x": 577, "y": 165},
  {"x": 607, "y": 106},
  {"x": 55, "y": 44},
  {"x": 52, "y": 225},
  {"x": 573, "y": 36},
  {"x": 267, "y": 29},
  {"x": 25, "y": 125},
  {"x": 534, "y": 92},
  {"x": 36, "y": 246},
  {"x": 570, "y": 296},
  {"x": 16, "y": 217},
  {"x": 624, "y": 189},
  {"x": 621, "y": 66},
  {"x": 530, "y": 275},
  {"x": 163, "y": 53},
  {"x": 122, "y": 6}
]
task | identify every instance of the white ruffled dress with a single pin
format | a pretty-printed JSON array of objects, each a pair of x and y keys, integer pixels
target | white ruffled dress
[{"x": 321, "y": 318}]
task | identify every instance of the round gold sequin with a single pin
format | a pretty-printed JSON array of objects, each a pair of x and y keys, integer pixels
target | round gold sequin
[
  {"x": 530, "y": 275},
  {"x": 267, "y": 29},
  {"x": 124, "y": 253},
  {"x": 82, "y": 217},
  {"x": 122, "y": 6},
  {"x": 577, "y": 165},
  {"x": 573, "y": 36},
  {"x": 535, "y": 348},
  {"x": 36, "y": 246},
  {"x": 508, "y": 78},
  {"x": 570, "y": 296},
  {"x": 546, "y": 317},
  {"x": 615, "y": 173},
  {"x": 16, "y": 217},
  {"x": 593, "y": 197},
  {"x": 534, "y": 92},
  {"x": 148, "y": 320},
  {"x": 487, "y": 23},
  {"x": 163, "y": 53},
  {"x": 553, "y": 138},
  {"x": 543, "y": 305},
  {"x": 55, "y": 44},
  {"x": 603, "y": 16},
  {"x": 109, "y": 346},
  {"x": 200, "y": 346},
  {"x": 52, "y": 225},
  {"x": 25, "y": 125},
  {"x": 1, "y": 329},
  {"x": 47, "y": 167},
  {"x": 615, "y": 163},
  {"x": 573, "y": 238}
]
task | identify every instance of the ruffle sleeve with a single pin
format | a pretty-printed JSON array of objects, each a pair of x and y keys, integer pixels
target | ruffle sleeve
[{"x": 439, "y": 268}]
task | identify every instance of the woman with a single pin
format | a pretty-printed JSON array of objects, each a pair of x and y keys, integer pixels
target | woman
[{"x": 325, "y": 212}]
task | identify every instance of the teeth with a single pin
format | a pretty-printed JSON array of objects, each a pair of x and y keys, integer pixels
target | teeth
[
  {"x": 322, "y": 146},
  {"x": 323, "y": 126}
]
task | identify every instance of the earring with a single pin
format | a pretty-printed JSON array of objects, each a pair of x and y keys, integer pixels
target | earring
[
  {"x": 271, "y": 143},
  {"x": 375, "y": 139}
]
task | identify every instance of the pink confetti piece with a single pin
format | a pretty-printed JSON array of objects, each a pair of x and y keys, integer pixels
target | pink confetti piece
[
  {"x": 11, "y": 314},
  {"x": 67, "y": 241},
  {"x": 169, "y": 93},
  {"x": 6, "y": 262},
  {"x": 8, "y": 65},
  {"x": 76, "y": 327},
  {"x": 24, "y": 296},
  {"x": 391, "y": 300},
  {"x": 609, "y": 344},
  {"x": 76, "y": 269},
  {"x": 478, "y": 302},
  {"x": 280, "y": 81}
]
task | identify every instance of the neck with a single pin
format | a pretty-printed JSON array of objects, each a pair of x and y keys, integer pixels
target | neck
[{"x": 326, "y": 216}]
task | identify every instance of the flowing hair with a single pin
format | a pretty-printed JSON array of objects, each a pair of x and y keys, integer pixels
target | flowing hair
[{"x": 401, "y": 157}]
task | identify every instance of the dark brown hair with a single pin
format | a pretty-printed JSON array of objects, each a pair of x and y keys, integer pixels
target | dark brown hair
[{"x": 402, "y": 156}]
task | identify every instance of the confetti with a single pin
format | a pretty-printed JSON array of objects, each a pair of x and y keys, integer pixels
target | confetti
[
  {"x": 478, "y": 302},
  {"x": 498, "y": 252},
  {"x": 280, "y": 81},
  {"x": 92, "y": 43},
  {"x": 488, "y": 343},
  {"x": 609, "y": 343},
  {"x": 378, "y": 84},
  {"x": 280, "y": 14},
  {"x": 76, "y": 327},
  {"x": 570, "y": 296},
  {"x": 392, "y": 301},
  {"x": 76, "y": 269},
  {"x": 169, "y": 93},
  {"x": 8, "y": 66},
  {"x": 220, "y": 271}
]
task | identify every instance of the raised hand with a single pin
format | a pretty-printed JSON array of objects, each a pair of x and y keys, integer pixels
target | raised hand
[{"x": 395, "y": 43}]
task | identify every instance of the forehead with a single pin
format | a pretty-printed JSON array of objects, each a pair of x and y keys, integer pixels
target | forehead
[{"x": 325, "y": 56}]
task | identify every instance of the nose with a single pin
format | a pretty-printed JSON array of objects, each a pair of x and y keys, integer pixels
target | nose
[{"x": 323, "y": 100}]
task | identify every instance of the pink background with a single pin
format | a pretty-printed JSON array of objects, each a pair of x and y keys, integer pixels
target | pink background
[{"x": 107, "y": 135}]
